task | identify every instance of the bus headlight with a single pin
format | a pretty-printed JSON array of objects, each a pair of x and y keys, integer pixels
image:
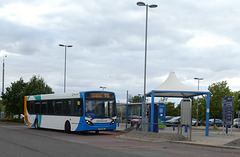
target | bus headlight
[
  {"x": 89, "y": 122},
  {"x": 113, "y": 121}
]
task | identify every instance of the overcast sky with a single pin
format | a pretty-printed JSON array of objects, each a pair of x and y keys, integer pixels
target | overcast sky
[{"x": 191, "y": 38}]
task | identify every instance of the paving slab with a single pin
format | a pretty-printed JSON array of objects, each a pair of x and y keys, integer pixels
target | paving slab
[{"x": 217, "y": 136}]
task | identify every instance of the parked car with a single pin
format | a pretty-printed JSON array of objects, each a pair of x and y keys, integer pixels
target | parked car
[
  {"x": 129, "y": 118},
  {"x": 168, "y": 117},
  {"x": 16, "y": 116},
  {"x": 136, "y": 120},
  {"x": 218, "y": 122},
  {"x": 177, "y": 120},
  {"x": 194, "y": 121},
  {"x": 172, "y": 121},
  {"x": 236, "y": 122}
]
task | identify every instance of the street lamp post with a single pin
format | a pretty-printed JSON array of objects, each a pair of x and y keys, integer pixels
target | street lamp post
[
  {"x": 2, "y": 113},
  {"x": 199, "y": 79},
  {"x": 145, "y": 59},
  {"x": 65, "y": 64},
  {"x": 103, "y": 87},
  {"x": 196, "y": 78}
]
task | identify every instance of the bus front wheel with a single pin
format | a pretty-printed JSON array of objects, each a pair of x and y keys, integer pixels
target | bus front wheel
[{"x": 67, "y": 127}]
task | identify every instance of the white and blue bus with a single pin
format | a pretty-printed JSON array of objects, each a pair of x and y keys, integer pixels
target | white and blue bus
[{"x": 83, "y": 111}]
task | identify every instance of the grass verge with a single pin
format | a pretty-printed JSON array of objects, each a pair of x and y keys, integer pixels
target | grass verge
[{"x": 12, "y": 120}]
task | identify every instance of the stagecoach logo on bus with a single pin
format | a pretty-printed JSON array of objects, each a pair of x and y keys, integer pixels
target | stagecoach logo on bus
[{"x": 83, "y": 111}]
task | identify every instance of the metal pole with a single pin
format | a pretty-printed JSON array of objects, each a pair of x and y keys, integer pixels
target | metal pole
[
  {"x": 145, "y": 64},
  {"x": 197, "y": 107},
  {"x": 199, "y": 79},
  {"x": 197, "y": 116},
  {"x": 103, "y": 87},
  {"x": 198, "y": 84},
  {"x": 65, "y": 64},
  {"x": 2, "y": 112},
  {"x": 207, "y": 114},
  {"x": 126, "y": 110},
  {"x": 238, "y": 122},
  {"x": 145, "y": 69},
  {"x": 196, "y": 78}
]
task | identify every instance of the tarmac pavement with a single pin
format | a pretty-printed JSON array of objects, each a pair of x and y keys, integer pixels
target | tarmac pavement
[{"x": 217, "y": 136}]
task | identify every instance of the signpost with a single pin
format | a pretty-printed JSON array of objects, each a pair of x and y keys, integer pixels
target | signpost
[
  {"x": 227, "y": 111},
  {"x": 238, "y": 113},
  {"x": 186, "y": 115}
]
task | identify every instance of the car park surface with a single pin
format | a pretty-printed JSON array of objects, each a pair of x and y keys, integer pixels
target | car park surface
[{"x": 21, "y": 141}]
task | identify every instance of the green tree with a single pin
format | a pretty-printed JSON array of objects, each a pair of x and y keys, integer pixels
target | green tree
[
  {"x": 171, "y": 110},
  {"x": 137, "y": 99},
  {"x": 236, "y": 102},
  {"x": 217, "y": 92},
  {"x": 14, "y": 95},
  {"x": 36, "y": 86},
  {"x": 201, "y": 109},
  {"x": 13, "y": 98}
]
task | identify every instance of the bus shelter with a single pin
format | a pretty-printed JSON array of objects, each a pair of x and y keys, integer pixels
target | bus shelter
[{"x": 172, "y": 87}]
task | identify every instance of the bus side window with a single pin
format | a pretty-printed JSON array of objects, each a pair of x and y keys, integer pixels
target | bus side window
[
  {"x": 67, "y": 106},
  {"x": 44, "y": 107},
  {"x": 37, "y": 107},
  {"x": 58, "y": 107},
  {"x": 30, "y": 107},
  {"x": 78, "y": 103},
  {"x": 50, "y": 106}
]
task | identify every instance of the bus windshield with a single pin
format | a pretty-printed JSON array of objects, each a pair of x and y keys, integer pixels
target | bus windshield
[{"x": 100, "y": 108}]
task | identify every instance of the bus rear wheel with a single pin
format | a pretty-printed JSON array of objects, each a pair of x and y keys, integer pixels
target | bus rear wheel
[
  {"x": 67, "y": 127},
  {"x": 36, "y": 124}
]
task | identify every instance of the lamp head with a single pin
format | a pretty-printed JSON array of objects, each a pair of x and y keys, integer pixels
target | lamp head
[
  {"x": 153, "y": 6},
  {"x": 141, "y": 4},
  {"x": 196, "y": 78}
]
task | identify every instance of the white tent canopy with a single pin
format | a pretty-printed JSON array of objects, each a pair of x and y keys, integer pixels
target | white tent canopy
[{"x": 172, "y": 87}]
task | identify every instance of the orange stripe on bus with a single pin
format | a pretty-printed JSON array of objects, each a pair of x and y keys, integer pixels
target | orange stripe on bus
[{"x": 25, "y": 111}]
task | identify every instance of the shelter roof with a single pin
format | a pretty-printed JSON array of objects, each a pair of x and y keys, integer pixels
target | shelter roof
[{"x": 172, "y": 87}]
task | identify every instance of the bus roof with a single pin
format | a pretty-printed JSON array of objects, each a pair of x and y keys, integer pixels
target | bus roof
[
  {"x": 54, "y": 96},
  {"x": 60, "y": 96}
]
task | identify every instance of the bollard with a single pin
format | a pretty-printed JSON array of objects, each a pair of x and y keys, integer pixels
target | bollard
[
  {"x": 178, "y": 129},
  {"x": 226, "y": 129},
  {"x": 173, "y": 126},
  {"x": 186, "y": 128}
]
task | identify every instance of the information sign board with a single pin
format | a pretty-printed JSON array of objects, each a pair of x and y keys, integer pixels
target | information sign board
[
  {"x": 186, "y": 112},
  {"x": 162, "y": 112},
  {"x": 228, "y": 110}
]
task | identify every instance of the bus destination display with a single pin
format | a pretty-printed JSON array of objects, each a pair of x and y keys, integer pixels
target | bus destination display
[{"x": 99, "y": 95}]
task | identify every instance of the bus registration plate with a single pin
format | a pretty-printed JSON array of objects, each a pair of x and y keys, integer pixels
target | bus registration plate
[
  {"x": 101, "y": 128},
  {"x": 101, "y": 121}
]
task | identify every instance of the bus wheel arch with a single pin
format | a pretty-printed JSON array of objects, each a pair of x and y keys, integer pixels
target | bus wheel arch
[{"x": 67, "y": 127}]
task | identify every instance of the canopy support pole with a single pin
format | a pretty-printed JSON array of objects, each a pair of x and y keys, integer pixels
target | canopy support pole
[
  {"x": 152, "y": 112},
  {"x": 207, "y": 114}
]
